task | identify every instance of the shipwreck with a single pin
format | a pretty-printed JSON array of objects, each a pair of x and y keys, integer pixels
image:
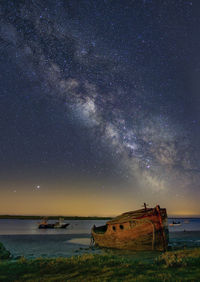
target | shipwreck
[{"x": 144, "y": 229}]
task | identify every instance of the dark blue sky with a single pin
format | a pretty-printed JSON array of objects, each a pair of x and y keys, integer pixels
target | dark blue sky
[{"x": 105, "y": 93}]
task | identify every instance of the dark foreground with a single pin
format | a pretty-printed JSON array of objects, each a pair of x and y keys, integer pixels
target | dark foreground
[{"x": 181, "y": 265}]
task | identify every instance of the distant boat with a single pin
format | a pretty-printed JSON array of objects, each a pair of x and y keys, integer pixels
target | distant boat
[
  {"x": 175, "y": 223},
  {"x": 186, "y": 221},
  {"x": 144, "y": 229},
  {"x": 59, "y": 224}
]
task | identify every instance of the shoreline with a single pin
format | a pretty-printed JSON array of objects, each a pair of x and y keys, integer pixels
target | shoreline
[
  {"x": 38, "y": 217},
  {"x": 55, "y": 217},
  {"x": 68, "y": 245},
  {"x": 61, "y": 258}
]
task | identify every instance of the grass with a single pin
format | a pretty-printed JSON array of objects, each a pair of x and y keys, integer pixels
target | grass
[{"x": 182, "y": 265}]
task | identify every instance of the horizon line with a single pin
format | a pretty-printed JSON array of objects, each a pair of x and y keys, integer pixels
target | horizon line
[{"x": 102, "y": 216}]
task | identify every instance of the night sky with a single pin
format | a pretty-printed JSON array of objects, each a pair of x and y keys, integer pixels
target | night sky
[{"x": 99, "y": 106}]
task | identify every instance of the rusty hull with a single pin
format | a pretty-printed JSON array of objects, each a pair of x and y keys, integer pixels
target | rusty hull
[{"x": 148, "y": 231}]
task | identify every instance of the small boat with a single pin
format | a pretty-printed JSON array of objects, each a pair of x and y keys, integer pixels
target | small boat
[
  {"x": 61, "y": 223},
  {"x": 45, "y": 225},
  {"x": 144, "y": 229},
  {"x": 175, "y": 223},
  {"x": 186, "y": 221}
]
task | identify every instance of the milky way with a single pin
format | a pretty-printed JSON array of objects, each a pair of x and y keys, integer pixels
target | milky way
[{"x": 103, "y": 89}]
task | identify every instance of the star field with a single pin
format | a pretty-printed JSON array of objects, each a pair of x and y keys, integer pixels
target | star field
[{"x": 105, "y": 93}]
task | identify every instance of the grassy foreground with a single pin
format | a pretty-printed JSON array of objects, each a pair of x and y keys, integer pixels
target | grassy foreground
[{"x": 182, "y": 265}]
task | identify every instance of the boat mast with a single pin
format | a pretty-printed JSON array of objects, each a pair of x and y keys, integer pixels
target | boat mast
[{"x": 145, "y": 206}]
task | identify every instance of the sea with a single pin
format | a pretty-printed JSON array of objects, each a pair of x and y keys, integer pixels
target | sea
[{"x": 23, "y": 238}]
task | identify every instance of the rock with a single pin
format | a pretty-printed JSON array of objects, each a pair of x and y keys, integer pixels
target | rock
[{"x": 4, "y": 254}]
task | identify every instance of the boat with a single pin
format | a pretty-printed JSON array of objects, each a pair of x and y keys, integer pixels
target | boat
[
  {"x": 175, "y": 223},
  {"x": 45, "y": 225},
  {"x": 144, "y": 229},
  {"x": 61, "y": 223},
  {"x": 186, "y": 221}
]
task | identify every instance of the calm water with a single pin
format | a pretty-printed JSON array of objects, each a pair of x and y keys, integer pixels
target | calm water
[
  {"x": 17, "y": 226},
  {"x": 187, "y": 224},
  {"x": 22, "y": 237}
]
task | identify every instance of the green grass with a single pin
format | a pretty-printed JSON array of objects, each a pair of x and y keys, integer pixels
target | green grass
[{"x": 180, "y": 265}]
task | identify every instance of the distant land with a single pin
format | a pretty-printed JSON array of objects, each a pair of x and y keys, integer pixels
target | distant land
[
  {"x": 5, "y": 216},
  {"x": 53, "y": 217}
]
